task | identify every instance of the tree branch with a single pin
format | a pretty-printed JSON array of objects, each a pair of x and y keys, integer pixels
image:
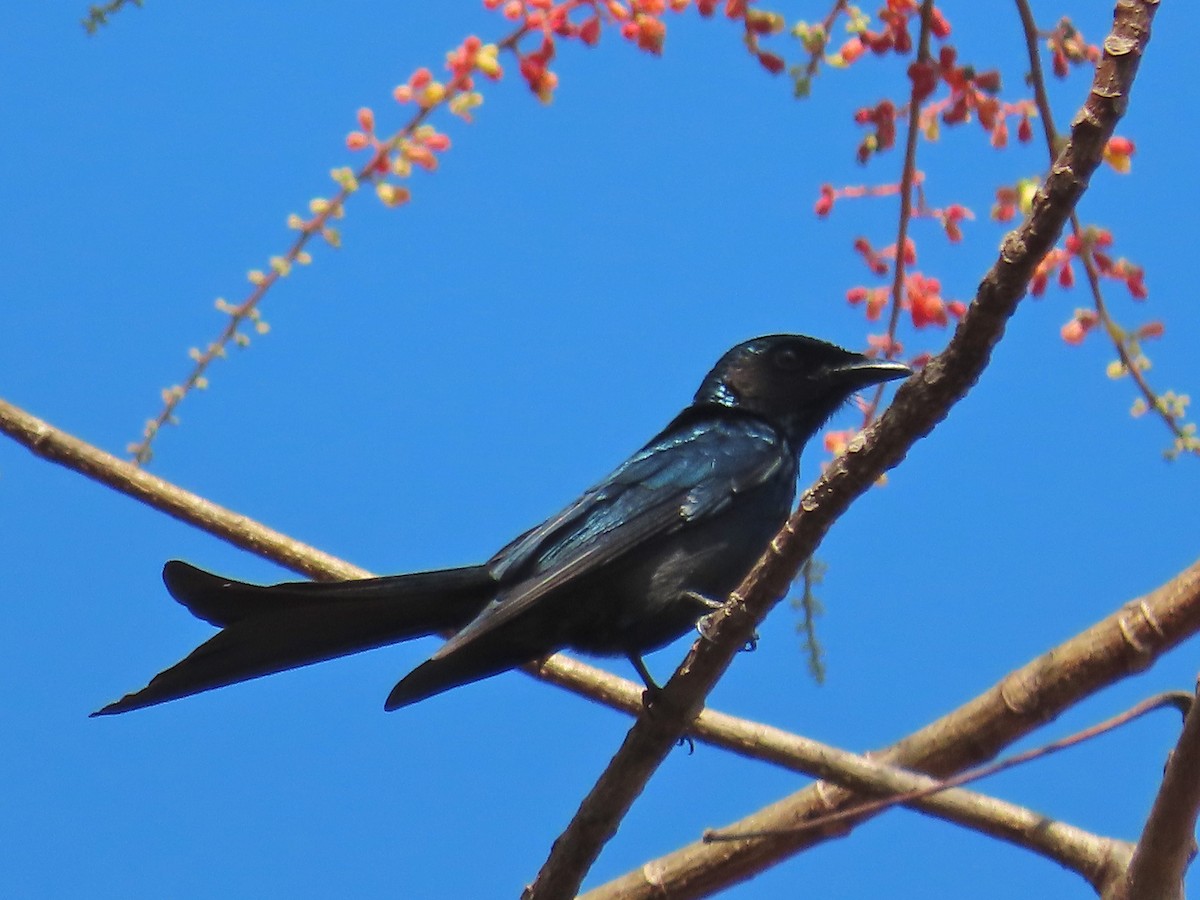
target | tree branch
[
  {"x": 743, "y": 737},
  {"x": 1071, "y": 847},
  {"x": 1123, "y": 644},
  {"x": 1168, "y": 843},
  {"x": 1087, "y": 252},
  {"x": 919, "y": 405}
]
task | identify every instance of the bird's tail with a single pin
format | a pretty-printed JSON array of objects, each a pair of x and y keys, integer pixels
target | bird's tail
[{"x": 283, "y": 626}]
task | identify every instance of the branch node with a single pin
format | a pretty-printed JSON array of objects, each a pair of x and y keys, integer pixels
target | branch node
[
  {"x": 1019, "y": 693},
  {"x": 1140, "y": 639},
  {"x": 654, "y": 872}
]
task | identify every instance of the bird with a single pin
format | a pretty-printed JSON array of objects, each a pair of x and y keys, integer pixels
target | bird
[{"x": 630, "y": 566}]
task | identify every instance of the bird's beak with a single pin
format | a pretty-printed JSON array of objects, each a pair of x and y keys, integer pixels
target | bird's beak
[{"x": 863, "y": 372}]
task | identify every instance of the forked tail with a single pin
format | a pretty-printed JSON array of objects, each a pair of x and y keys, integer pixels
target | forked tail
[{"x": 283, "y": 626}]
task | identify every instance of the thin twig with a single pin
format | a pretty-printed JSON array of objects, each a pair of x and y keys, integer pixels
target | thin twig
[
  {"x": 930, "y": 787},
  {"x": 817, "y": 54},
  {"x": 1122, "y": 645},
  {"x": 247, "y": 309},
  {"x": 1086, "y": 253},
  {"x": 908, "y": 177}
]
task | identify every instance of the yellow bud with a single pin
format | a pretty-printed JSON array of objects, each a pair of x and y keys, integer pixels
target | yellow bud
[
  {"x": 318, "y": 205},
  {"x": 261, "y": 327},
  {"x": 332, "y": 236},
  {"x": 195, "y": 354},
  {"x": 434, "y": 93},
  {"x": 1028, "y": 188},
  {"x": 345, "y": 179},
  {"x": 392, "y": 195},
  {"x": 201, "y": 382},
  {"x": 486, "y": 61},
  {"x": 303, "y": 257},
  {"x": 295, "y": 222},
  {"x": 1116, "y": 369},
  {"x": 281, "y": 266},
  {"x": 256, "y": 277}
]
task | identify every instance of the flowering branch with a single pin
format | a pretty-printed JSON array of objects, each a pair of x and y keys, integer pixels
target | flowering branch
[
  {"x": 1087, "y": 245},
  {"x": 920, "y": 404},
  {"x": 921, "y": 88},
  {"x": 415, "y": 143}
]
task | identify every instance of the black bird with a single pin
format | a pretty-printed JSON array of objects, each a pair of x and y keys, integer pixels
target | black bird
[{"x": 628, "y": 567}]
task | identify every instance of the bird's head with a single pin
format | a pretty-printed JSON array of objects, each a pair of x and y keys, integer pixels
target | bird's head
[{"x": 794, "y": 382}]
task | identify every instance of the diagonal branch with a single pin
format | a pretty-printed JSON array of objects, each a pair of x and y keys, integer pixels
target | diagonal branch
[
  {"x": 1121, "y": 645},
  {"x": 749, "y": 739},
  {"x": 1167, "y": 843},
  {"x": 1175, "y": 610},
  {"x": 1110, "y": 650},
  {"x": 920, "y": 404}
]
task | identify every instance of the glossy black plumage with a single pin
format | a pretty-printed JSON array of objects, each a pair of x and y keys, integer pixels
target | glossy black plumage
[{"x": 628, "y": 567}]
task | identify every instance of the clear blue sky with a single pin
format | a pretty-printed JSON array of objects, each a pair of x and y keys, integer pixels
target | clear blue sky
[{"x": 462, "y": 368}]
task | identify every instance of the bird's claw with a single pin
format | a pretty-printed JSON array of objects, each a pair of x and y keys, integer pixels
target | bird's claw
[{"x": 705, "y": 627}]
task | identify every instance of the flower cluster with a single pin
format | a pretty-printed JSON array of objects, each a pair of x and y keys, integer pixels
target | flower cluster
[
  {"x": 1059, "y": 263},
  {"x": 921, "y": 295},
  {"x": 1068, "y": 48},
  {"x": 639, "y": 22},
  {"x": 892, "y": 36},
  {"x": 972, "y": 94}
]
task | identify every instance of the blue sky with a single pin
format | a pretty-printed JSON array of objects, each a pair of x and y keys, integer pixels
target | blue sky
[{"x": 463, "y": 367}]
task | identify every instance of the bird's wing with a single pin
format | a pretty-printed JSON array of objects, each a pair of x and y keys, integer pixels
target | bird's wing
[{"x": 685, "y": 475}]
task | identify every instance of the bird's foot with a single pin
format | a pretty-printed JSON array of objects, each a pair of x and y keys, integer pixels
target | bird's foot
[
  {"x": 706, "y": 624},
  {"x": 652, "y": 698}
]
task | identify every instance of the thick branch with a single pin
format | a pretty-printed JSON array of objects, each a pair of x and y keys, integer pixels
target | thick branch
[
  {"x": 1167, "y": 843},
  {"x": 1123, "y": 644},
  {"x": 1059, "y": 842},
  {"x": 1070, "y": 846},
  {"x": 749, "y": 739},
  {"x": 920, "y": 404}
]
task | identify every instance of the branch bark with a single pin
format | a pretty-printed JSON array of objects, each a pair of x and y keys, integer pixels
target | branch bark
[
  {"x": 1123, "y": 644},
  {"x": 1112, "y": 649},
  {"x": 920, "y": 404},
  {"x": 1168, "y": 841}
]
